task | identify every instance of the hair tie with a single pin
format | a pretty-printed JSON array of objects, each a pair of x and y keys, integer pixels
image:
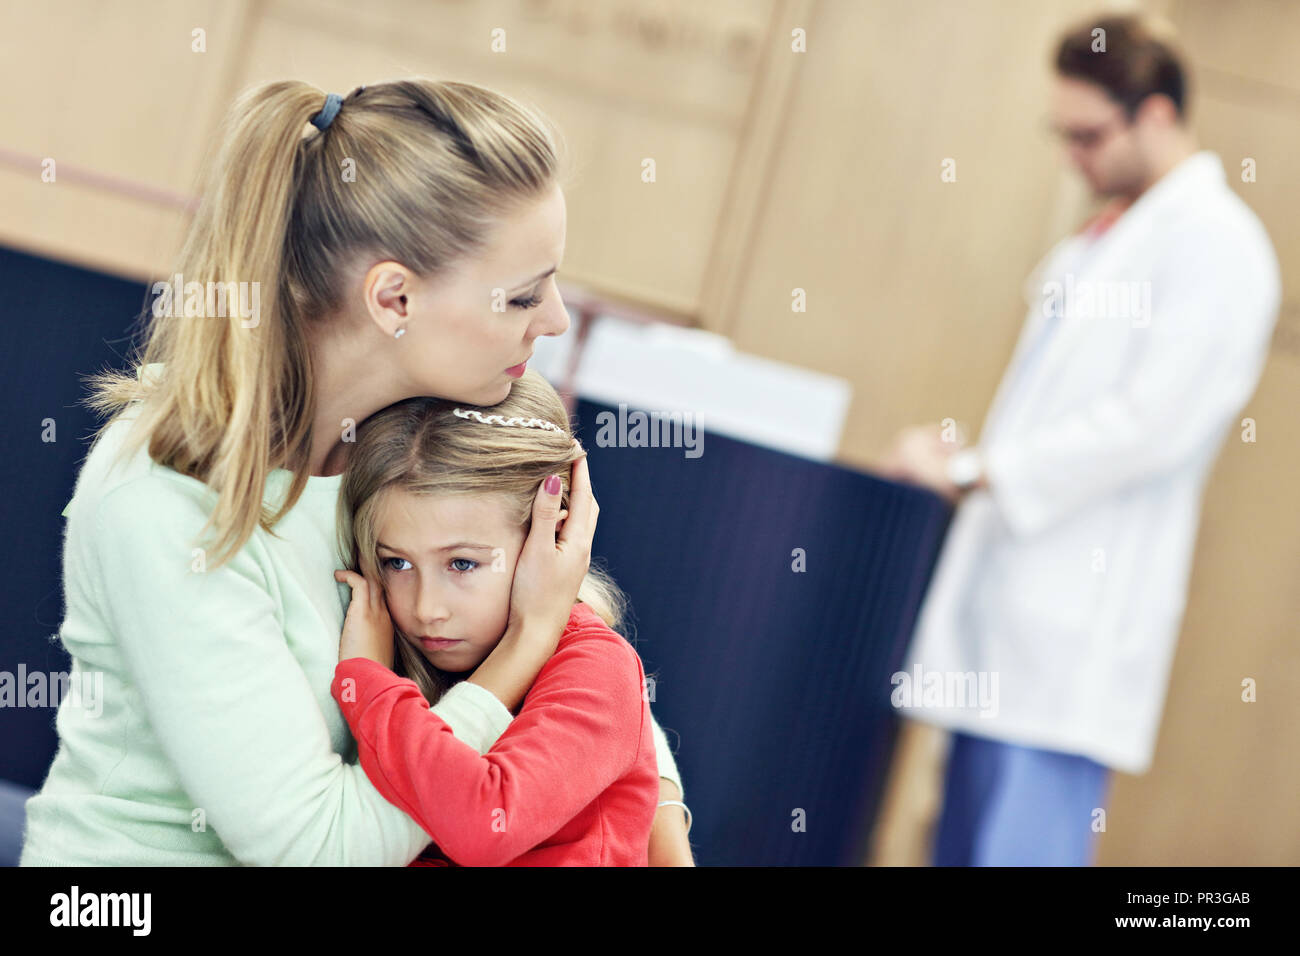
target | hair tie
[{"x": 322, "y": 120}]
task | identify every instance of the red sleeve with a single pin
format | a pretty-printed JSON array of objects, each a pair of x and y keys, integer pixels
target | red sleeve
[{"x": 578, "y": 731}]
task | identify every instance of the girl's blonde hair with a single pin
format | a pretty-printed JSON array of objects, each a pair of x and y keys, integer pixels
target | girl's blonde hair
[
  {"x": 436, "y": 165},
  {"x": 421, "y": 446}
]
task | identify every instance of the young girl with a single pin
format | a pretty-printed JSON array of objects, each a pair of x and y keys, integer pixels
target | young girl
[{"x": 440, "y": 499}]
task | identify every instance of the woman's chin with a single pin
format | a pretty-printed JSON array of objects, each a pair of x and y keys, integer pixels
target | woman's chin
[{"x": 493, "y": 394}]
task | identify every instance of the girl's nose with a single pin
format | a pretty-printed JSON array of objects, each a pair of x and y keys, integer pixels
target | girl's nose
[{"x": 430, "y": 608}]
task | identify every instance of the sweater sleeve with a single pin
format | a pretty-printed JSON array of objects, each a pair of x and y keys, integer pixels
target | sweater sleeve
[
  {"x": 226, "y": 699},
  {"x": 664, "y": 755},
  {"x": 578, "y": 732},
  {"x": 479, "y": 719},
  {"x": 474, "y": 715}
]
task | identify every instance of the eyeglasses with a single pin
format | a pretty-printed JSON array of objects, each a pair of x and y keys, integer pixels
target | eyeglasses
[{"x": 1086, "y": 137}]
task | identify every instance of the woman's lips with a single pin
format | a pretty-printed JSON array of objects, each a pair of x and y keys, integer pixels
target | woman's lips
[
  {"x": 437, "y": 643},
  {"x": 515, "y": 371}
]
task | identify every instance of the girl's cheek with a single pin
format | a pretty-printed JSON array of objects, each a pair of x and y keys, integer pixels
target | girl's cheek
[{"x": 399, "y": 603}]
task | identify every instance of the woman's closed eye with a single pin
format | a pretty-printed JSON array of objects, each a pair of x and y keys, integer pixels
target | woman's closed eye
[
  {"x": 528, "y": 302},
  {"x": 532, "y": 300}
]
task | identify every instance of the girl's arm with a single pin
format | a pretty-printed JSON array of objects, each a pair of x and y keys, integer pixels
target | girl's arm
[
  {"x": 226, "y": 700},
  {"x": 581, "y": 731},
  {"x": 368, "y": 633},
  {"x": 515, "y": 662}
]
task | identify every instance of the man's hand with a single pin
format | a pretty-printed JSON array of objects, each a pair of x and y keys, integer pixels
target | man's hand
[{"x": 920, "y": 455}]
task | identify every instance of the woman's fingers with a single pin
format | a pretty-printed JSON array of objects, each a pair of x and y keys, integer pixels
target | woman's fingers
[
  {"x": 546, "y": 512},
  {"x": 551, "y": 569},
  {"x": 580, "y": 527}
]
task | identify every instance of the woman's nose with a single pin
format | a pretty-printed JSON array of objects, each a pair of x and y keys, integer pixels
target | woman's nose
[{"x": 555, "y": 320}]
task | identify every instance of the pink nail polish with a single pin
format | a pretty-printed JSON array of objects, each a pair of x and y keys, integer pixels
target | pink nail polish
[{"x": 553, "y": 485}]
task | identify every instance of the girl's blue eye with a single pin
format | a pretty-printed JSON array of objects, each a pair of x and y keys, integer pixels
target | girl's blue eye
[
  {"x": 389, "y": 567},
  {"x": 472, "y": 565}
]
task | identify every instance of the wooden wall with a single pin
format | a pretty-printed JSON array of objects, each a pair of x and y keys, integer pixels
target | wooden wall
[
  {"x": 1222, "y": 789},
  {"x": 776, "y": 170}
]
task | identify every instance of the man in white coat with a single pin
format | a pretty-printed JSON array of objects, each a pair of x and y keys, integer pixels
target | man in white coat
[{"x": 1046, "y": 637}]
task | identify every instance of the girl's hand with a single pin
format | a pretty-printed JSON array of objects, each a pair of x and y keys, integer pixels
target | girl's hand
[{"x": 368, "y": 628}]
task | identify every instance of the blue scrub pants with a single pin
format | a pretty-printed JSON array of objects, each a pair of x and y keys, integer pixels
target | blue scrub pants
[{"x": 1008, "y": 805}]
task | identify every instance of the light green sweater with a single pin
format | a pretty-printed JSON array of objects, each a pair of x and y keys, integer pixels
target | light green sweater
[{"x": 216, "y": 741}]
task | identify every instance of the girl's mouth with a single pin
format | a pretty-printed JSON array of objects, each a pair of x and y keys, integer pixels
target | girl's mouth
[{"x": 438, "y": 643}]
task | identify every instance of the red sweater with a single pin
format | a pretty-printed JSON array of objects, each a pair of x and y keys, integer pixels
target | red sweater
[{"x": 573, "y": 780}]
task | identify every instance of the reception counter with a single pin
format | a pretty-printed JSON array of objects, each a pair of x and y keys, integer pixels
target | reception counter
[{"x": 772, "y": 599}]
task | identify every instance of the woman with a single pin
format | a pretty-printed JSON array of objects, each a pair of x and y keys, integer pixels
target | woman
[{"x": 405, "y": 246}]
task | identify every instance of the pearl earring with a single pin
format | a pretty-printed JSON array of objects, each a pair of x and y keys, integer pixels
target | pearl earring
[{"x": 399, "y": 333}]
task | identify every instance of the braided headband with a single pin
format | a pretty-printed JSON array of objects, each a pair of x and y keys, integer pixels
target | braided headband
[{"x": 515, "y": 422}]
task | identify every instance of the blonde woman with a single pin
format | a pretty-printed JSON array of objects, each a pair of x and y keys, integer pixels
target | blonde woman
[{"x": 399, "y": 242}]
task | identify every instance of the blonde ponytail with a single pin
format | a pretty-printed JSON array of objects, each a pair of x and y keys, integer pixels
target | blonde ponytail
[{"x": 437, "y": 163}]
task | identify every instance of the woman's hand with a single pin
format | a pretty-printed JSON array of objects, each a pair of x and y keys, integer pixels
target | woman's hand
[
  {"x": 554, "y": 560},
  {"x": 556, "y": 556},
  {"x": 368, "y": 628},
  {"x": 669, "y": 844}
]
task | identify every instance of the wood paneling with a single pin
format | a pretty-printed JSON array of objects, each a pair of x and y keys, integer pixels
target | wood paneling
[
  {"x": 1222, "y": 789},
  {"x": 913, "y": 284},
  {"x": 119, "y": 96}
]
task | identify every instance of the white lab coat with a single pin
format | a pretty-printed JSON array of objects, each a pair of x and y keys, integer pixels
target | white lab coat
[{"x": 1067, "y": 580}]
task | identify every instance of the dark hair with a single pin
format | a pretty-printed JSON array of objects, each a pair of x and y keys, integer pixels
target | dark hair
[{"x": 1139, "y": 59}]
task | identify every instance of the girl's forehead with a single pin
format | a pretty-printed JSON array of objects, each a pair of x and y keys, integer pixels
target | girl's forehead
[{"x": 407, "y": 514}]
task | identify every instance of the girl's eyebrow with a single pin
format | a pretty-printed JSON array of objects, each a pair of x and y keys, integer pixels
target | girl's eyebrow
[{"x": 458, "y": 546}]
